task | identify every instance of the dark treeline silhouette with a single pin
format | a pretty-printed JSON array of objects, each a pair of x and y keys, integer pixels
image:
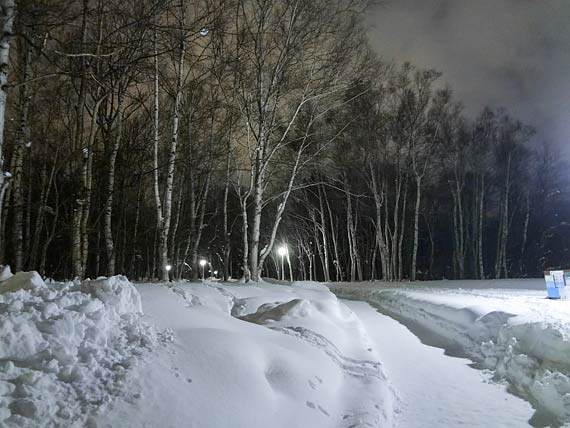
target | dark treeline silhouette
[{"x": 147, "y": 134}]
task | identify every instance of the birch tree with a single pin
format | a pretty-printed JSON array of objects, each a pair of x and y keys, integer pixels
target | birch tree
[
  {"x": 7, "y": 14},
  {"x": 290, "y": 61}
]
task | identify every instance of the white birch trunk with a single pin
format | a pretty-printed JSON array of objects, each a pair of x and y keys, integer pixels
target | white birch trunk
[
  {"x": 7, "y": 13},
  {"x": 108, "y": 209},
  {"x": 18, "y": 162},
  {"x": 416, "y": 228}
]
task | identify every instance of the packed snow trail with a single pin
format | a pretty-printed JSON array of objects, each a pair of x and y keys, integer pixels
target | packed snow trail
[
  {"x": 436, "y": 390},
  {"x": 506, "y": 327}
]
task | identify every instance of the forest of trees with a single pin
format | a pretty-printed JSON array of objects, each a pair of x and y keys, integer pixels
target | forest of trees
[{"x": 138, "y": 134}]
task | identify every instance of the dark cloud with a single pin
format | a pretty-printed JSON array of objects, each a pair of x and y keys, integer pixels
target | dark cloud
[{"x": 503, "y": 53}]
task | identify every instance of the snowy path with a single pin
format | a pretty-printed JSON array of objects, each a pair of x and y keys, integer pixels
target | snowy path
[{"x": 436, "y": 390}]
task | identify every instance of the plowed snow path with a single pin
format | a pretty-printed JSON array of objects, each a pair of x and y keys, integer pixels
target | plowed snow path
[{"x": 436, "y": 390}]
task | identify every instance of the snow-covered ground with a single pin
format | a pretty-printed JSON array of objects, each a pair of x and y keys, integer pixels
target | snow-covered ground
[
  {"x": 435, "y": 390},
  {"x": 255, "y": 356},
  {"x": 66, "y": 349},
  {"x": 506, "y": 327},
  {"x": 217, "y": 355}
]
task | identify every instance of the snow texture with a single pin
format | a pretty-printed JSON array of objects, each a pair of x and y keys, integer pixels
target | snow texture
[
  {"x": 511, "y": 330},
  {"x": 436, "y": 390},
  {"x": 65, "y": 349},
  {"x": 255, "y": 356}
]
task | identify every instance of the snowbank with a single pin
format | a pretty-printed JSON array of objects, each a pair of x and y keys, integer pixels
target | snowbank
[
  {"x": 522, "y": 337},
  {"x": 5, "y": 273},
  {"x": 65, "y": 348},
  {"x": 255, "y": 356}
]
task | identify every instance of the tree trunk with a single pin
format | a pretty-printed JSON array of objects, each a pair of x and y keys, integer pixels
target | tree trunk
[
  {"x": 7, "y": 13},
  {"x": 334, "y": 239},
  {"x": 402, "y": 230},
  {"x": 416, "y": 228},
  {"x": 51, "y": 234},
  {"x": 525, "y": 233},
  {"x": 171, "y": 165},
  {"x": 87, "y": 186},
  {"x": 480, "y": 219},
  {"x": 174, "y": 230},
  {"x": 200, "y": 221},
  {"x": 254, "y": 267},
  {"x": 108, "y": 208},
  {"x": 351, "y": 235},
  {"x": 501, "y": 270},
  {"x": 458, "y": 224},
  {"x": 324, "y": 234},
  {"x": 134, "y": 242},
  {"x": 78, "y": 212},
  {"x": 227, "y": 243},
  {"x": 23, "y": 139},
  {"x": 245, "y": 239},
  {"x": 281, "y": 208},
  {"x": 380, "y": 237}
]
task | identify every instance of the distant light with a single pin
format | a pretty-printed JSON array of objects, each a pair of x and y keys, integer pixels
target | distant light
[
  {"x": 203, "y": 262},
  {"x": 204, "y": 32},
  {"x": 215, "y": 272},
  {"x": 282, "y": 251},
  {"x": 168, "y": 268}
]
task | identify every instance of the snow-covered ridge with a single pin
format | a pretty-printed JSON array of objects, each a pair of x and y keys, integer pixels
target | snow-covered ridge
[
  {"x": 522, "y": 337},
  {"x": 65, "y": 348}
]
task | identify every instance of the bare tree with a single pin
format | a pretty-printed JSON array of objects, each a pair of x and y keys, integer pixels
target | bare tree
[{"x": 7, "y": 14}]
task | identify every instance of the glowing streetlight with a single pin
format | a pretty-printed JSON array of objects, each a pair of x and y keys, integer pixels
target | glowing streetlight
[
  {"x": 168, "y": 268},
  {"x": 202, "y": 264},
  {"x": 282, "y": 251}
]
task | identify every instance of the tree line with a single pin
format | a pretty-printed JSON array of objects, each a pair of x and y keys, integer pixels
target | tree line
[{"x": 140, "y": 137}]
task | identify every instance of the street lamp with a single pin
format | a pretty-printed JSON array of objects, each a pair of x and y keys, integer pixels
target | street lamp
[
  {"x": 282, "y": 251},
  {"x": 168, "y": 269},
  {"x": 202, "y": 264}
]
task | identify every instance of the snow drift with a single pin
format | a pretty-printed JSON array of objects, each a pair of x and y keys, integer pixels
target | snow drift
[
  {"x": 521, "y": 337},
  {"x": 65, "y": 348},
  {"x": 255, "y": 356}
]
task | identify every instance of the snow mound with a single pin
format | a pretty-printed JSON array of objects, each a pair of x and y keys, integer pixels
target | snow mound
[
  {"x": 22, "y": 281},
  {"x": 207, "y": 295},
  {"x": 304, "y": 360},
  {"x": 116, "y": 293},
  {"x": 522, "y": 339},
  {"x": 65, "y": 348},
  {"x": 5, "y": 273}
]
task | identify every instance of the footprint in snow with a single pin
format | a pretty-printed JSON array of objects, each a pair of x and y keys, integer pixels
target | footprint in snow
[{"x": 312, "y": 405}]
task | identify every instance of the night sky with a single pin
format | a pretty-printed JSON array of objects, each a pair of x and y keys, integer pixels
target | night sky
[{"x": 503, "y": 53}]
